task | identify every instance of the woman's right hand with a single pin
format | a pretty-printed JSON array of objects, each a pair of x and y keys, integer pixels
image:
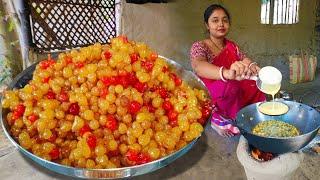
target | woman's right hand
[
  {"x": 240, "y": 69},
  {"x": 229, "y": 74},
  {"x": 233, "y": 73}
]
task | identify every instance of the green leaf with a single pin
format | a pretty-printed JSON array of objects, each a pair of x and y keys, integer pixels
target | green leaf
[
  {"x": 5, "y": 71},
  {"x": 11, "y": 25},
  {"x": 6, "y": 62}
]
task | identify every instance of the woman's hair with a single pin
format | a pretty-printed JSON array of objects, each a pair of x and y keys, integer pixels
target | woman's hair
[{"x": 211, "y": 9}]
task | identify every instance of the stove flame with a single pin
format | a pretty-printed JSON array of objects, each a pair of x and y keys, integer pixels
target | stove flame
[{"x": 260, "y": 155}]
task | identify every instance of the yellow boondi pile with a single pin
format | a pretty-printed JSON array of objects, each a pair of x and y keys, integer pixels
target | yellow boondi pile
[{"x": 105, "y": 106}]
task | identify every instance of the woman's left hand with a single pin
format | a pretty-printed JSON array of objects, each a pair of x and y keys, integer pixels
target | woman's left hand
[
  {"x": 254, "y": 69},
  {"x": 252, "y": 66}
]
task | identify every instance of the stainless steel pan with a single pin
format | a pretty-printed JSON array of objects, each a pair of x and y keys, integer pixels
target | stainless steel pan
[
  {"x": 303, "y": 117},
  {"x": 22, "y": 79}
]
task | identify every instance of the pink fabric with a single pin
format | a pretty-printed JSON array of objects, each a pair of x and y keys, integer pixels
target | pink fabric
[
  {"x": 227, "y": 97},
  {"x": 223, "y": 123}
]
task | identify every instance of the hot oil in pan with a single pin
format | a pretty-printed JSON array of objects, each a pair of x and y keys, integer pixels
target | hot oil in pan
[
  {"x": 273, "y": 108},
  {"x": 275, "y": 128}
]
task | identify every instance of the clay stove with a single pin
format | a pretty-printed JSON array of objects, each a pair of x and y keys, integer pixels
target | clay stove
[{"x": 266, "y": 166}]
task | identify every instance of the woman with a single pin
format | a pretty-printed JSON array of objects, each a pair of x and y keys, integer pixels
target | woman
[{"x": 225, "y": 71}]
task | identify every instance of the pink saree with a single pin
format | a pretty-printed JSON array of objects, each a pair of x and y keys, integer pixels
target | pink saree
[{"x": 227, "y": 97}]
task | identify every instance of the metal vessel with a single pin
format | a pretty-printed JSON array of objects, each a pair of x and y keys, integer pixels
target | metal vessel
[
  {"x": 305, "y": 118},
  {"x": 22, "y": 79}
]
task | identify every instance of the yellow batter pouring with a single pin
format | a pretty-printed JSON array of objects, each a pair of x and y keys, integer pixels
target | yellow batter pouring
[{"x": 273, "y": 108}]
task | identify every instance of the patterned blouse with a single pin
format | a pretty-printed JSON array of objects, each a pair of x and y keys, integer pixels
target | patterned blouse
[{"x": 200, "y": 49}]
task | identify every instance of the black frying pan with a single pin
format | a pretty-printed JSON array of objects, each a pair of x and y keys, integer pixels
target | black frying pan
[{"x": 303, "y": 117}]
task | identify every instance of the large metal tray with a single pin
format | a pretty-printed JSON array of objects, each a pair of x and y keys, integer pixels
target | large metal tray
[{"x": 22, "y": 79}]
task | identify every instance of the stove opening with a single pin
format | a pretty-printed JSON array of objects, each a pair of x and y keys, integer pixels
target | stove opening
[{"x": 260, "y": 155}]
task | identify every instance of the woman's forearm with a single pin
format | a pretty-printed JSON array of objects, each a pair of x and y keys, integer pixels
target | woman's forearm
[{"x": 206, "y": 70}]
